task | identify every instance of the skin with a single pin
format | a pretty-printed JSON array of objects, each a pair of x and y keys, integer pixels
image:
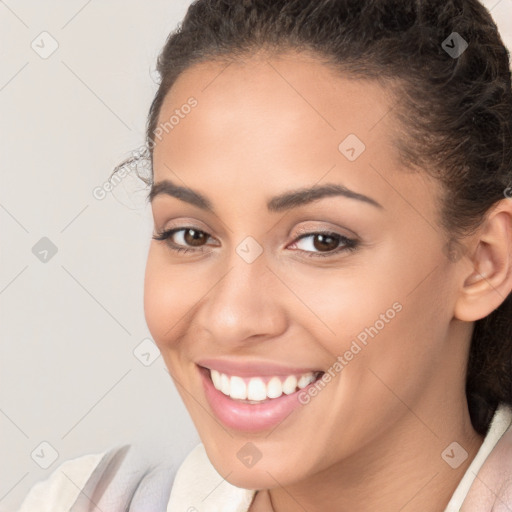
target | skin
[{"x": 372, "y": 438}]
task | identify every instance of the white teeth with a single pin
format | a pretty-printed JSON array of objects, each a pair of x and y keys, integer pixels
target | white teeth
[
  {"x": 274, "y": 388},
  {"x": 290, "y": 384},
  {"x": 215, "y": 378},
  {"x": 238, "y": 388},
  {"x": 306, "y": 379},
  {"x": 224, "y": 384},
  {"x": 255, "y": 389}
]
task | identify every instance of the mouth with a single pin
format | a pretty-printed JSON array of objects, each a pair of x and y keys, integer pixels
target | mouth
[
  {"x": 253, "y": 403},
  {"x": 256, "y": 390}
]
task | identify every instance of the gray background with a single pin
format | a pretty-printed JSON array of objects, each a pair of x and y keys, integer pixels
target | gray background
[{"x": 73, "y": 372}]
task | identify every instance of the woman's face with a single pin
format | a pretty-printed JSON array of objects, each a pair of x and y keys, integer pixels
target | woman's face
[{"x": 369, "y": 303}]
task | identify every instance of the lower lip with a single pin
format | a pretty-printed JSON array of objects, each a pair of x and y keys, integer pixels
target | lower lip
[{"x": 248, "y": 417}]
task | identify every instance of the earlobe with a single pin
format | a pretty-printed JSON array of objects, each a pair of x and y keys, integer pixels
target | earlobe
[{"x": 489, "y": 281}]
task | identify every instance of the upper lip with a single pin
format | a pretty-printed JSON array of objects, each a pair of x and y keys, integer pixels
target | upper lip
[{"x": 252, "y": 367}]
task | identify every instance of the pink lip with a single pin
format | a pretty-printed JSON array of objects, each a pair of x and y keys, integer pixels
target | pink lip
[
  {"x": 245, "y": 416},
  {"x": 252, "y": 368}
]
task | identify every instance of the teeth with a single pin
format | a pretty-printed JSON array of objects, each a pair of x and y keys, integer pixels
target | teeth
[
  {"x": 238, "y": 389},
  {"x": 255, "y": 389},
  {"x": 225, "y": 384},
  {"x": 215, "y": 375},
  {"x": 274, "y": 388},
  {"x": 304, "y": 380},
  {"x": 290, "y": 384}
]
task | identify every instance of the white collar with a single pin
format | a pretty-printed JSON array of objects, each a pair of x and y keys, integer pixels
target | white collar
[
  {"x": 198, "y": 487},
  {"x": 500, "y": 422}
]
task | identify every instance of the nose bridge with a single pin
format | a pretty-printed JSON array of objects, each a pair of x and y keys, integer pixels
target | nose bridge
[{"x": 242, "y": 302}]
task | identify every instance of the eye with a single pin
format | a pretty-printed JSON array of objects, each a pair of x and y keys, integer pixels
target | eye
[
  {"x": 191, "y": 236},
  {"x": 326, "y": 242},
  {"x": 323, "y": 243}
]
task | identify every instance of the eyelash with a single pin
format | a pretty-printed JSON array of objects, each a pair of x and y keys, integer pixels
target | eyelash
[{"x": 350, "y": 244}]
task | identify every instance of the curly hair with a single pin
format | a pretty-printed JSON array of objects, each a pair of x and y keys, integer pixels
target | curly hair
[{"x": 454, "y": 110}]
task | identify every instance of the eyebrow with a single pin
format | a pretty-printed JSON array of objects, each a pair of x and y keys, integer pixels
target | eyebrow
[{"x": 279, "y": 203}]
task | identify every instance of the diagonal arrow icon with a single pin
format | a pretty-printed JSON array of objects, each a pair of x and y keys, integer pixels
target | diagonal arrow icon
[
  {"x": 454, "y": 45},
  {"x": 249, "y": 249},
  {"x": 44, "y": 455},
  {"x": 249, "y": 455},
  {"x": 351, "y": 147}
]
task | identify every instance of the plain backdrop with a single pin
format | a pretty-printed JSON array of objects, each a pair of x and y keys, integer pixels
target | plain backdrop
[{"x": 78, "y": 370}]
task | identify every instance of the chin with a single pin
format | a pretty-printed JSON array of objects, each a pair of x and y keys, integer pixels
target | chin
[{"x": 266, "y": 473}]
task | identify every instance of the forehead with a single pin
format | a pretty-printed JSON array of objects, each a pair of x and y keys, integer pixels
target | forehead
[
  {"x": 283, "y": 120},
  {"x": 270, "y": 86}
]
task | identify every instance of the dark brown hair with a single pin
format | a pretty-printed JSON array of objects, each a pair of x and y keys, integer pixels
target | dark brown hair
[{"x": 454, "y": 110}]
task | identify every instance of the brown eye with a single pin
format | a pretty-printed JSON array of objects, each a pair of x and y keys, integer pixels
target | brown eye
[
  {"x": 325, "y": 242},
  {"x": 183, "y": 240},
  {"x": 196, "y": 239}
]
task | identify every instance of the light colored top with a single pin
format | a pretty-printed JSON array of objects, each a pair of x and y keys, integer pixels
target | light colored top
[
  {"x": 197, "y": 486},
  {"x": 501, "y": 422}
]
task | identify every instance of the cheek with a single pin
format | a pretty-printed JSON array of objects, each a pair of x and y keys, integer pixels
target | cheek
[
  {"x": 340, "y": 303},
  {"x": 387, "y": 314},
  {"x": 402, "y": 350},
  {"x": 165, "y": 300}
]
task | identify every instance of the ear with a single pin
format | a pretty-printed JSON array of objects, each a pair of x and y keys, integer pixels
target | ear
[{"x": 487, "y": 280}]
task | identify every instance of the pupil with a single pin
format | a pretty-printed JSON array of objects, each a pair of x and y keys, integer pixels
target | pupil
[
  {"x": 198, "y": 235},
  {"x": 323, "y": 240}
]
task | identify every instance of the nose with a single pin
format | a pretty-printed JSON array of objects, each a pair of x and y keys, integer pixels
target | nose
[{"x": 244, "y": 303}]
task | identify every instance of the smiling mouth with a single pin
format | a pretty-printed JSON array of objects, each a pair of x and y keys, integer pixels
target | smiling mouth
[{"x": 257, "y": 390}]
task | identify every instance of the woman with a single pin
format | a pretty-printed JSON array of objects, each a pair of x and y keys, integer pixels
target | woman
[{"x": 329, "y": 281}]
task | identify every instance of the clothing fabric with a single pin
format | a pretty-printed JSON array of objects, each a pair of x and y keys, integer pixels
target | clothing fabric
[
  {"x": 123, "y": 479},
  {"x": 501, "y": 422}
]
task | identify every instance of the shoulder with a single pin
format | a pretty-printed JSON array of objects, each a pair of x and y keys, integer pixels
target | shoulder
[
  {"x": 124, "y": 476},
  {"x": 59, "y": 491},
  {"x": 492, "y": 488}
]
